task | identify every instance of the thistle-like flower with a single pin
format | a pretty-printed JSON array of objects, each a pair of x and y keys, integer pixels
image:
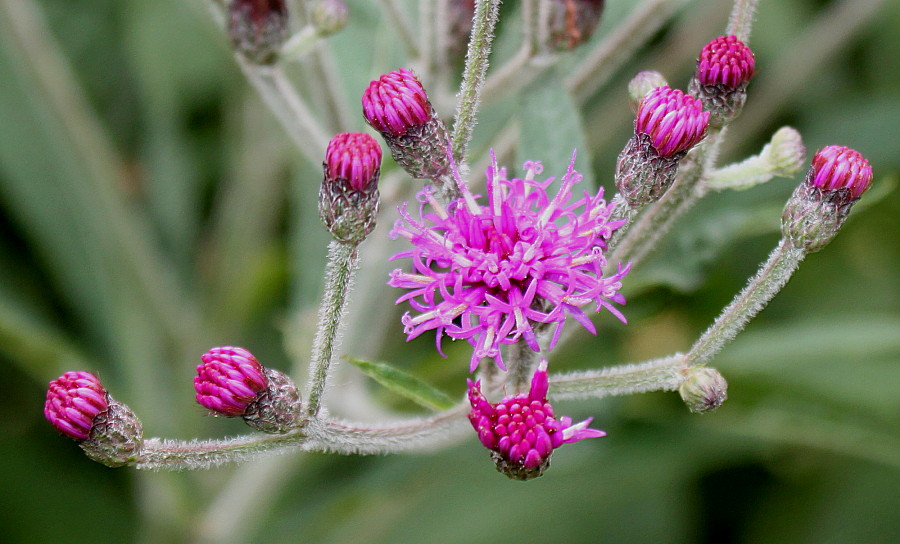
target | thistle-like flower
[
  {"x": 107, "y": 430},
  {"x": 348, "y": 197},
  {"x": 724, "y": 69},
  {"x": 819, "y": 206},
  {"x": 497, "y": 273},
  {"x": 232, "y": 383},
  {"x": 258, "y": 28},
  {"x": 521, "y": 430},
  {"x": 668, "y": 124},
  {"x": 397, "y": 106}
]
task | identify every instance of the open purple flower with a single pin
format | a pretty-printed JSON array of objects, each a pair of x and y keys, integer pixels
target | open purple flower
[
  {"x": 521, "y": 431},
  {"x": 493, "y": 274}
]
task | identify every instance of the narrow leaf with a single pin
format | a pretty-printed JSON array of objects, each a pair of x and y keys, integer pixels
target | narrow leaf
[{"x": 405, "y": 384}]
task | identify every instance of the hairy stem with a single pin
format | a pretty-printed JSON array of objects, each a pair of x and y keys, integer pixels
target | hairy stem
[
  {"x": 772, "y": 276},
  {"x": 417, "y": 434},
  {"x": 342, "y": 263},
  {"x": 657, "y": 218},
  {"x": 741, "y": 20},
  {"x": 522, "y": 363},
  {"x": 486, "y": 14}
]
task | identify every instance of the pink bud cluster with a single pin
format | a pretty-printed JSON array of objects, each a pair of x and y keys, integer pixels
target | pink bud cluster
[
  {"x": 73, "y": 401},
  {"x": 355, "y": 157},
  {"x": 674, "y": 121},
  {"x": 725, "y": 61},
  {"x": 228, "y": 380},
  {"x": 521, "y": 430},
  {"x": 395, "y": 103},
  {"x": 837, "y": 167}
]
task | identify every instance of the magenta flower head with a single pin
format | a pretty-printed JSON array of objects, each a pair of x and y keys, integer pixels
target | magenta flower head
[
  {"x": 73, "y": 401},
  {"x": 258, "y": 28},
  {"x": 397, "y": 106},
  {"x": 668, "y": 124},
  {"x": 232, "y": 383},
  {"x": 819, "y": 206},
  {"x": 674, "y": 122},
  {"x": 724, "y": 69},
  {"x": 572, "y": 22},
  {"x": 229, "y": 380},
  {"x": 496, "y": 273},
  {"x": 107, "y": 430},
  {"x": 348, "y": 197},
  {"x": 521, "y": 430}
]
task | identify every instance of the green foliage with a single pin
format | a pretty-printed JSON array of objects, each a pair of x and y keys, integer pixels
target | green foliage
[
  {"x": 152, "y": 208},
  {"x": 404, "y": 384}
]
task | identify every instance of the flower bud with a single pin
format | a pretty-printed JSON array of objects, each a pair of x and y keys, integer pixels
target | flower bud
[
  {"x": 521, "y": 431},
  {"x": 229, "y": 380},
  {"x": 258, "y": 28},
  {"x": 724, "y": 68},
  {"x": 232, "y": 383},
  {"x": 819, "y": 206},
  {"x": 107, "y": 430},
  {"x": 277, "y": 409},
  {"x": 641, "y": 84},
  {"x": 703, "y": 390},
  {"x": 668, "y": 124},
  {"x": 572, "y": 22},
  {"x": 348, "y": 198},
  {"x": 785, "y": 152},
  {"x": 329, "y": 16},
  {"x": 397, "y": 106}
]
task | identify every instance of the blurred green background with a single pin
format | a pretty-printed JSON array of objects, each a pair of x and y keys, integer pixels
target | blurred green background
[{"x": 151, "y": 208}]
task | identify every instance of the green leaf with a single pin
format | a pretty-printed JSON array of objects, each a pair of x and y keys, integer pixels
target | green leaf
[
  {"x": 552, "y": 128},
  {"x": 405, "y": 384}
]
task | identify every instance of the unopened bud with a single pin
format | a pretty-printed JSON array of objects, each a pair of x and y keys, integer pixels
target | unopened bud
[
  {"x": 703, "y": 390},
  {"x": 258, "y": 28},
  {"x": 785, "y": 152},
  {"x": 107, "y": 430},
  {"x": 572, "y": 22},
  {"x": 641, "y": 84},
  {"x": 231, "y": 382},
  {"x": 330, "y": 16},
  {"x": 724, "y": 69},
  {"x": 397, "y": 106},
  {"x": 348, "y": 197},
  {"x": 819, "y": 206},
  {"x": 668, "y": 124}
]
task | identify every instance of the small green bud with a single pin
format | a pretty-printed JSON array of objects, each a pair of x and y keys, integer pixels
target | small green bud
[{"x": 703, "y": 390}]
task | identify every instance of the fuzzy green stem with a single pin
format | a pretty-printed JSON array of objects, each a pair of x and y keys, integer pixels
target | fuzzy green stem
[
  {"x": 664, "y": 374},
  {"x": 658, "y": 217},
  {"x": 483, "y": 23},
  {"x": 301, "y": 43},
  {"x": 741, "y": 20},
  {"x": 772, "y": 276},
  {"x": 325, "y": 436},
  {"x": 522, "y": 363},
  {"x": 342, "y": 263}
]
